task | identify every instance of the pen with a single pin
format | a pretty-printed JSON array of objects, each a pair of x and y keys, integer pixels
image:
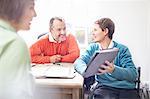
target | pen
[{"x": 56, "y": 63}]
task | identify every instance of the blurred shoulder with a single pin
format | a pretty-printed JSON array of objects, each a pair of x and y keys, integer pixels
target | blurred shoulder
[{"x": 70, "y": 35}]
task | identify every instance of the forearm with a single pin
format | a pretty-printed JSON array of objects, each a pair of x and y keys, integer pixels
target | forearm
[
  {"x": 70, "y": 57},
  {"x": 40, "y": 59},
  {"x": 128, "y": 73},
  {"x": 80, "y": 66},
  {"x": 125, "y": 68}
]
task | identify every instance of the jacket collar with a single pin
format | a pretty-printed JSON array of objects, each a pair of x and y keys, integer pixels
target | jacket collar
[
  {"x": 6, "y": 25},
  {"x": 111, "y": 45}
]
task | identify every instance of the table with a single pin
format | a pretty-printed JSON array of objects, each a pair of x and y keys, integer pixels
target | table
[{"x": 61, "y": 86}]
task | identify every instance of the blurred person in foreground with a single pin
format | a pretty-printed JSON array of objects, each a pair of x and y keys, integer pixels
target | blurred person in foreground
[{"x": 16, "y": 81}]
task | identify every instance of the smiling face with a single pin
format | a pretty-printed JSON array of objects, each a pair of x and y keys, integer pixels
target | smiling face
[
  {"x": 98, "y": 35},
  {"x": 27, "y": 16},
  {"x": 58, "y": 30},
  {"x": 18, "y": 13}
]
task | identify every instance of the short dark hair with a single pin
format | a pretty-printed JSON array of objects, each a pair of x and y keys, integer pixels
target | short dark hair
[
  {"x": 106, "y": 23},
  {"x": 12, "y": 9},
  {"x": 52, "y": 21}
]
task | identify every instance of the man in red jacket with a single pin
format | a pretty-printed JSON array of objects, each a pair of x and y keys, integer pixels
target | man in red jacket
[{"x": 57, "y": 46}]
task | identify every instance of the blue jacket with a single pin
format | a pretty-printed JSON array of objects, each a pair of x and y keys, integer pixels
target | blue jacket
[{"x": 124, "y": 74}]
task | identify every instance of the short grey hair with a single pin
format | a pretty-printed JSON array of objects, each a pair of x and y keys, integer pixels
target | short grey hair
[
  {"x": 55, "y": 18},
  {"x": 12, "y": 10}
]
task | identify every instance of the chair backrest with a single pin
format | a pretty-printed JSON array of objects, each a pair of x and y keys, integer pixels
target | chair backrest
[
  {"x": 143, "y": 90},
  {"x": 138, "y": 81},
  {"x": 39, "y": 36}
]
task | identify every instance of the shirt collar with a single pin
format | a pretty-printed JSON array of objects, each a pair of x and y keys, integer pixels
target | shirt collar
[
  {"x": 51, "y": 39},
  {"x": 111, "y": 45},
  {"x": 6, "y": 25}
]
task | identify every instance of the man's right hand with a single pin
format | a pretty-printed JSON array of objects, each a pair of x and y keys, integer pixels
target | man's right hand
[{"x": 55, "y": 58}]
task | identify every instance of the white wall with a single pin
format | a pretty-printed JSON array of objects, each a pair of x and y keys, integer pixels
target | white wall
[
  {"x": 148, "y": 39},
  {"x": 132, "y": 19}
]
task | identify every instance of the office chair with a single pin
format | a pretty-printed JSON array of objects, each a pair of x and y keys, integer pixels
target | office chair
[{"x": 88, "y": 82}]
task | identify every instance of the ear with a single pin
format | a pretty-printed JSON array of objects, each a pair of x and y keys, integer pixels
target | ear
[
  {"x": 106, "y": 31},
  {"x": 50, "y": 29}
]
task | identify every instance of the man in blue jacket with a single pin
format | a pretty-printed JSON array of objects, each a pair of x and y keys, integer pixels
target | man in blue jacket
[{"x": 116, "y": 80}]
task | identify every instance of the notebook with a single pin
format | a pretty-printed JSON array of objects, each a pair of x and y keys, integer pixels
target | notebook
[
  {"x": 98, "y": 59},
  {"x": 57, "y": 70}
]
